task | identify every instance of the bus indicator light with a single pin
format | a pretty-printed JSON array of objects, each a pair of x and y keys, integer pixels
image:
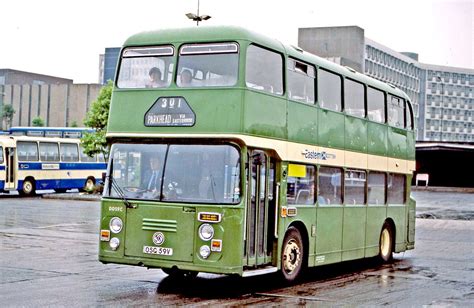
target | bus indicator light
[
  {"x": 216, "y": 245},
  {"x": 284, "y": 211},
  {"x": 104, "y": 235}
]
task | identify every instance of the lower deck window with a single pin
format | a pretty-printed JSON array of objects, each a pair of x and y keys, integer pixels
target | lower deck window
[
  {"x": 396, "y": 188},
  {"x": 330, "y": 185},
  {"x": 300, "y": 184}
]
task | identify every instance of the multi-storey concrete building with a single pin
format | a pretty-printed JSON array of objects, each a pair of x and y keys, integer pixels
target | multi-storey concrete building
[
  {"x": 56, "y": 100},
  {"x": 107, "y": 64},
  {"x": 442, "y": 96}
]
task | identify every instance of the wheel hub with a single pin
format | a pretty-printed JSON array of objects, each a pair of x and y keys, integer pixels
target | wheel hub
[
  {"x": 291, "y": 256},
  {"x": 385, "y": 242}
]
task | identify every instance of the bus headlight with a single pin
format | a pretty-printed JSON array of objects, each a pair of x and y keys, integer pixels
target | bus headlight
[
  {"x": 206, "y": 232},
  {"x": 114, "y": 243},
  {"x": 204, "y": 251},
  {"x": 116, "y": 225}
]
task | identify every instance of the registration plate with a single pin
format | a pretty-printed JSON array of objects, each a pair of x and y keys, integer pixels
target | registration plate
[{"x": 162, "y": 251}]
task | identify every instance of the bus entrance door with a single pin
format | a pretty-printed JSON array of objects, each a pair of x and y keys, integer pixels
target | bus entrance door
[
  {"x": 10, "y": 169},
  {"x": 259, "y": 234}
]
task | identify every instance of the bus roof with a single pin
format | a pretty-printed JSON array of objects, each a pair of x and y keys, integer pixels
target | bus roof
[{"x": 230, "y": 33}]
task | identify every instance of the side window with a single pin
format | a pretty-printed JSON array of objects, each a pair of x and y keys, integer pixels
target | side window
[
  {"x": 301, "y": 81},
  {"x": 354, "y": 187},
  {"x": 329, "y": 90},
  {"x": 409, "y": 116},
  {"x": 330, "y": 185},
  {"x": 27, "y": 151},
  {"x": 49, "y": 151},
  {"x": 69, "y": 152},
  {"x": 264, "y": 70},
  {"x": 85, "y": 158},
  {"x": 376, "y": 188},
  {"x": 1, "y": 155},
  {"x": 301, "y": 184},
  {"x": 396, "y": 188},
  {"x": 396, "y": 112},
  {"x": 354, "y": 98},
  {"x": 375, "y": 105}
]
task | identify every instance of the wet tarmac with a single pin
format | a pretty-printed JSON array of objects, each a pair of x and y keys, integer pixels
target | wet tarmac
[{"x": 48, "y": 257}]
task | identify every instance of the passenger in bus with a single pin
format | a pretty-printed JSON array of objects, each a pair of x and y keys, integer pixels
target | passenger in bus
[
  {"x": 155, "y": 78},
  {"x": 186, "y": 78}
]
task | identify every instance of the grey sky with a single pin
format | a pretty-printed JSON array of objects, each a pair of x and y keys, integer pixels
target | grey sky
[{"x": 65, "y": 38}]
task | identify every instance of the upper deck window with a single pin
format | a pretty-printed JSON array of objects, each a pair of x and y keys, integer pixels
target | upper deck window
[
  {"x": 301, "y": 81},
  {"x": 409, "y": 116},
  {"x": 376, "y": 105},
  {"x": 1, "y": 155},
  {"x": 208, "y": 65},
  {"x": 146, "y": 67},
  {"x": 264, "y": 70},
  {"x": 354, "y": 98},
  {"x": 329, "y": 90},
  {"x": 396, "y": 112}
]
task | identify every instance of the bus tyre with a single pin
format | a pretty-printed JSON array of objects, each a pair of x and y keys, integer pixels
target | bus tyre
[
  {"x": 28, "y": 188},
  {"x": 386, "y": 243},
  {"x": 292, "y": 255}
]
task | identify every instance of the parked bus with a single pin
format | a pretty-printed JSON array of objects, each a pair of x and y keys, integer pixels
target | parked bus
[
  {"x": 28, "y": 164},
  {"x": 247, "y": 156},
  {"x": 56, "y": 132}
]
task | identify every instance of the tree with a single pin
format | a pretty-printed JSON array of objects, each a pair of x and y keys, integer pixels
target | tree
[
  {"x": 74, "y": 124},
  {"x": 7, "y": 115},
  {"x": 37, "y": 122},
  {"x": 97, "y": 118}
]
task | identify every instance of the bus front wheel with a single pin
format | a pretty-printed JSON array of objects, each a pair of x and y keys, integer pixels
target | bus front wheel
[
  {"x": 386, "y": 243},
  {"x": 28, "y": 187},
  {"x": 292, "y": 255}
]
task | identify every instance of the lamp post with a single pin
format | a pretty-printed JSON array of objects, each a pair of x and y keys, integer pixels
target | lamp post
[
  {"x": 196, "y": 17},
  {"x": 438, "y": 78}
]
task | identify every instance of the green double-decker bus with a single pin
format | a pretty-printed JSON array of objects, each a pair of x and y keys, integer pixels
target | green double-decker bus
[{"x": 233, "y": 153}]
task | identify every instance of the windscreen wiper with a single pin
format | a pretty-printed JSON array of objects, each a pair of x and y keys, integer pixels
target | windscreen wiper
[{"x": 117, "y": 189}]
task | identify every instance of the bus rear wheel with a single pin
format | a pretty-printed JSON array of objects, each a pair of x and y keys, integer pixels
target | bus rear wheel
[
  {"x": 292, "y": 255},
  {"x": 89, "y": 185},
  {"x": 386, "y": 243},
  {"x": 28, "y": 188}
]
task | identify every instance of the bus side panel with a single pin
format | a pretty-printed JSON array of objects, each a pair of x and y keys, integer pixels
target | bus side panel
[
  {"x": 264, "y": 115},
  {"x": 377, "y": 138},
  {"x": 356, "y": 134},
  {"x": 2, "y": 177},
  {"x": 331, "y": 128},
  {"x": 397, "y": 145},
  {"x": 353, "y": 243},
  {"x": 329, "y": 234},
  {"x": 376, "y": 215},
  {"x": 302, "y": 123},
  {"x": 397, "y": 212},
  {"x": 411, "y": 223}
]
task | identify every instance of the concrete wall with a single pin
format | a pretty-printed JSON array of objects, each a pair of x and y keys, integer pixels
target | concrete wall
[
  {"x": 56, "y": 104},
  {"x": 21, "y": 77},
  {"x": 347, "y": 43}
]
